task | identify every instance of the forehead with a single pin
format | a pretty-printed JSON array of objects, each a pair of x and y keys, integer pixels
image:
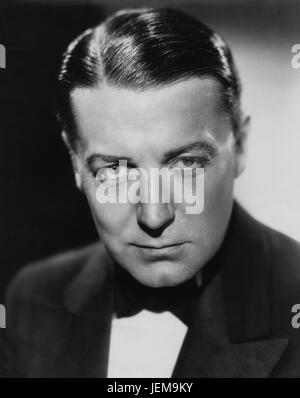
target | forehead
[{"x": 111, "y": 118}]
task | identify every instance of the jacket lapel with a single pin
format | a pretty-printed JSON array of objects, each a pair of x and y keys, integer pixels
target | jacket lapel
[
  {"x": 208, "y": 352},
  {"x": 230, "y": 335},
  {"x": 90, "y": 301}
]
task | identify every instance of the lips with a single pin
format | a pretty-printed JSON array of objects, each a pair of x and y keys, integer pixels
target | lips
[
  {"x": 155, "y": 252},
  {"x": 158, "y": 247}
]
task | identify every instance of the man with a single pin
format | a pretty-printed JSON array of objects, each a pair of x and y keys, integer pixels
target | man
[{"x": 166, "y": 293}]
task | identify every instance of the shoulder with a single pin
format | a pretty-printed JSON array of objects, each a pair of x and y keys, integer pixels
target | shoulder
[
  {"x": 282, "y": 259},
  {"x": 265, "y": 270},
  {"x": 268, "y": 254},
  {"x": 44, "y": 281},
  {"x": 280, "y": 252}
]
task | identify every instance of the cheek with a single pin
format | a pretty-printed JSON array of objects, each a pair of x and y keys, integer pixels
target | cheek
[
  {"x": 210, "y": 226},
  {"x": 110, "y": 218},
  {"x": 219, "y": 181},
  {"x": 218, "y": 202}
]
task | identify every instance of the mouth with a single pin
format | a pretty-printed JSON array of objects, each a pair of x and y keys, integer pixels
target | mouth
[{"x": 160, "y": 251}]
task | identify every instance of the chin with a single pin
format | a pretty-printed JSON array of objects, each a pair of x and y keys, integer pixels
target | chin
[{"x": 162, "y": 275}]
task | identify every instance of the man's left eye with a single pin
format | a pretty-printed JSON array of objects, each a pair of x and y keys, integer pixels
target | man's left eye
[{"x": 190, "y": 162}]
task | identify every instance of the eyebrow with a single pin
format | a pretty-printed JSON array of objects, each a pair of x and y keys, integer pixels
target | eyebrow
[
  {"x": 105, "y": 158},
  {"x": 204, "y": 144}
]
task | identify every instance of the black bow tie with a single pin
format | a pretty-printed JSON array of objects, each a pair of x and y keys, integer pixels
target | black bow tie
[{"x": 131, "y": 297}]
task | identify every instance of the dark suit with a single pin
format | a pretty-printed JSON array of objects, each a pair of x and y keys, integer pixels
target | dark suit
[{"x": 59, "y": 311}]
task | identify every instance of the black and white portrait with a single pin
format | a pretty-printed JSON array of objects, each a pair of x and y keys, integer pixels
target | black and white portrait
[{"x": 150, "y": 189}]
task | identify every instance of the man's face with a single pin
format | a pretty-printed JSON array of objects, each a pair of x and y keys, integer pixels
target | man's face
[{"x": 158, "y": 243}]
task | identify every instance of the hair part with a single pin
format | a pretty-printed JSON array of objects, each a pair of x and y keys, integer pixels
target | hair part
[{"x": 139, "y": 49}]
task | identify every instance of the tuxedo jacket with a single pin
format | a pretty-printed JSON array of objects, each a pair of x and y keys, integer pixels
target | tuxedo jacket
[{"x": 59, "y": 311}]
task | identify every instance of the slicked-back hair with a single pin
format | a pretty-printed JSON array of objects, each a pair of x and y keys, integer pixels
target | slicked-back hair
[{"x": 139, "y": 49}]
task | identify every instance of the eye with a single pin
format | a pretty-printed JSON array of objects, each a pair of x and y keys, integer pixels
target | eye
[
  {"x": 111, "y": 172},
  {"x": 190, "y": 162}
]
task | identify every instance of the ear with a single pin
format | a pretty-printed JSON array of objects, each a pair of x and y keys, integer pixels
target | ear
[
  {"x": 241, "y": 141},
  {"x": 74, "y": 160}
]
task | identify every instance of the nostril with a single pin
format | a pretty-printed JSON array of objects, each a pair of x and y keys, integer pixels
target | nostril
[
  {"x": 154, "y": 232},
  {"x": 154, "y": 218}
]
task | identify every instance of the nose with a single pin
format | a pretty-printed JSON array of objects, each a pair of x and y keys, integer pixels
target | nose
[{"x": 155, "y": 217}]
